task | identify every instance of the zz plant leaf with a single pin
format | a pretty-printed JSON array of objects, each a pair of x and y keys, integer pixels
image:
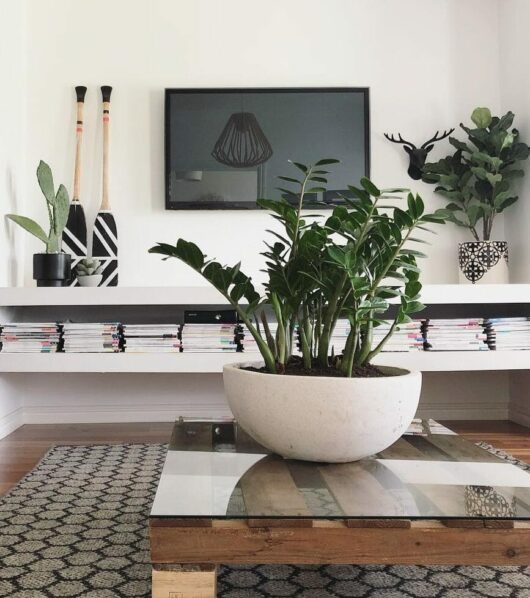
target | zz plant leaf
[{"x": 320, "y": 270}]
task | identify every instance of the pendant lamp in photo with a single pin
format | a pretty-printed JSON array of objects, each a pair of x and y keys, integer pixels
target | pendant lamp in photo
[{"x": 242, "y": 143}]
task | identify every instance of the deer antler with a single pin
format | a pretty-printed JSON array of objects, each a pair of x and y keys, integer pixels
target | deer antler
[
  {"x": 436, "y": 138},
  {"x": 399, "y": 140}
]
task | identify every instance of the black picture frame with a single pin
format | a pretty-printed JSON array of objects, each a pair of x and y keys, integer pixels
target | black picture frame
[{"x": 365, "y": 91}]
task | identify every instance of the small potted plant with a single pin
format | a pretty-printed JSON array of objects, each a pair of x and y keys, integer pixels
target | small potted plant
[
  {"x": 89, "y": 272},
  {"x": 52, "y": 268},
  {"x": 320, "y": 406},
  {"x": 478, "y": 181}
]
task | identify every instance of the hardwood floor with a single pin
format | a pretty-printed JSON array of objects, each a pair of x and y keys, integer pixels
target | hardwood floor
[{"x": 23, "y": 449}]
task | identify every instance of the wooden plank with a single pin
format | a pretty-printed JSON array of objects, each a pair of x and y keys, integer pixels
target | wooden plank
[
  {"x": 191, "y": 436},
  {"x": 463, "y": 523},
  {"x": 358, "y": 492},
  {"x": 429, "y": 450},
  {"x": 279, "y": 522},
  {"x": 402, "y": 449},
  {"x": 185, "y": 582},
  {"x": 314, "y": 489},
  {"x": 270, "y": 491},
  {"x": 180, "y": 522},
  {"x": 499, "y": 523},
  {"x": 379, "y": 523},
  {"x": 340, "y": 544},
  {"x": 462, "y": 450}
]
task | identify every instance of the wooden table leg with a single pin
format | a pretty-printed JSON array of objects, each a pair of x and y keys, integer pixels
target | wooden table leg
[{"x": 184, "y": 581}]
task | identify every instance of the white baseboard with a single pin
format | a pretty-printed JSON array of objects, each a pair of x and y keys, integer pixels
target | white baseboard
[
  {"x": 10, "y": 422},
  {"x": 519, "y": 416},
  {"x": 117, "y": 413}
]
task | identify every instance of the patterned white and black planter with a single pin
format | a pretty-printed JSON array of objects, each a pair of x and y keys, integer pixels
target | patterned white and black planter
[{"x": 483, "y": 262}]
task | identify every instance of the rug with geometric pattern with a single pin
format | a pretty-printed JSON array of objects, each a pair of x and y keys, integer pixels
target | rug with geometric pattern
[{"x": 76, "y": 526}]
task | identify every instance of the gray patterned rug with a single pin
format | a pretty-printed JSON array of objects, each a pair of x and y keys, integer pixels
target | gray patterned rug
[{"x": 76, "y": 527}]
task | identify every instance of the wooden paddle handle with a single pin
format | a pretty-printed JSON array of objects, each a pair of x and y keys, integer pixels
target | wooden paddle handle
[
  {"x": 80, "y": 91},
  {"x": 106, "y": 90}
]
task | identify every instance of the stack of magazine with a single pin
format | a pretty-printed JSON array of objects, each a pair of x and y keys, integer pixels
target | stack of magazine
[
  {"x": 406, "y": 337},
  {"x": 209, "y": 338},
  {"x": 34, "y": 337},
  {"x": 457, "y": 334},
  {"x": 246, "y": 340},
  {"x": 91, "y": 337},
  {"x": 151, "y": 338},
  {"x": 508, "y": 334}
]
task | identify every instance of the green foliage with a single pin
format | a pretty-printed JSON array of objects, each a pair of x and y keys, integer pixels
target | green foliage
[
  {"x": 88, "y": 267},
  {"x": 57, "y": 204},
  {"x": 348, "y": 265},
  {"x": 478, "y": 178}
]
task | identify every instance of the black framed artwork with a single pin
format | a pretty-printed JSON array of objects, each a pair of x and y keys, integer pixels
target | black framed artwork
[{"x": 224, "y": 148}]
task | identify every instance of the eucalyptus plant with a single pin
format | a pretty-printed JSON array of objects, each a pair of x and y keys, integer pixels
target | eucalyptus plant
[
  {"x": 478, "y": 178},
  {"x": 58, "y": 206},
  {"x": 349, "y": 265}
]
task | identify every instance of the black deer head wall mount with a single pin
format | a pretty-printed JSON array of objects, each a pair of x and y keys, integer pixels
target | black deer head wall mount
[{"x": 418, "y": 155}]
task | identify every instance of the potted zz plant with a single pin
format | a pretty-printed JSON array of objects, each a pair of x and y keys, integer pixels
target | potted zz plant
[
  {"x": 318, "y": 406},
  {"x": 52, "y": 268},
  {"x": 478, "y": 181}
]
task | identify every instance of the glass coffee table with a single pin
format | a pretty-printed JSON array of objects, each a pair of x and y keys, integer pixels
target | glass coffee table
[{"x": 431, "y": 498}]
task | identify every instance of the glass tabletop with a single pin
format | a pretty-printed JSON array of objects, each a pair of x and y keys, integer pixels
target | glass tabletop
[{"x": 215, "y": 470}]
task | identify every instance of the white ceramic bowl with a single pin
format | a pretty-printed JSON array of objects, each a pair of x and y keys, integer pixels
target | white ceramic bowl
[{"x": 326, "y": 419}]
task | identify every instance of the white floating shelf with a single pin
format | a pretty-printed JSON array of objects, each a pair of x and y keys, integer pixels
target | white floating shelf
[
  {"x": 213, "y": 362},
  {"x": 39, "y": 296},
  {"x": 437, "y": 294}
]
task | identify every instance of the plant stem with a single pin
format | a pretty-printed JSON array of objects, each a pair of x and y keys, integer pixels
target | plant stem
[
  {"x": 327, "y": 325},
  {"x": 382, "y": 343}
]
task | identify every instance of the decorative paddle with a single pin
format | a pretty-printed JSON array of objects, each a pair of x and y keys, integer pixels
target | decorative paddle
[
  {"x": 105, "y": 237},
  {"x": 74, "y": 234}
]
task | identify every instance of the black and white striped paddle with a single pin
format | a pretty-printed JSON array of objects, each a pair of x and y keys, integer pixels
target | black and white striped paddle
[
  {"x": 74, "y": 234},
  {"x": 105, "y": 236}
]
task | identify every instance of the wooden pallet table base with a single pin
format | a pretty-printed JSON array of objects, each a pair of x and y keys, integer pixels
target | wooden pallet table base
[
  {"x": 425, "y": 542},
  {"x": 184, "y": 581},
  {"x": 422, "y": 501}
]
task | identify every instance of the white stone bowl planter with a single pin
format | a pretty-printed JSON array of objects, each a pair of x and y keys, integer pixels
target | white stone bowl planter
[
  {"x": 332, "y": 420},
  {"x": 93, "y": 280}
]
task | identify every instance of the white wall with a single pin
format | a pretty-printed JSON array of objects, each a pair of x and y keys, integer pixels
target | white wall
[
  {"x": 12, "y": 188},
  {"x": 423, "y": 60},
  {"x": 12, "y": 135},
  {"x": 514, "y": 16},
  {"x": 428, "y": 64}
]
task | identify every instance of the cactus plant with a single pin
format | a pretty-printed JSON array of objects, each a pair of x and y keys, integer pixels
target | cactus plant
[
  {"x": 89, "y": 266},
  {"x": 58, "y": 205}
]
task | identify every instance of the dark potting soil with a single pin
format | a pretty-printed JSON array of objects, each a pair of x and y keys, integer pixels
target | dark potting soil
[{"x": 295, "y": 367}]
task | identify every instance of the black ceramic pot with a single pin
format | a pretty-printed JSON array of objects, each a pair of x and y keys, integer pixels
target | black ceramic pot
[{"x": 52, "y": 269}]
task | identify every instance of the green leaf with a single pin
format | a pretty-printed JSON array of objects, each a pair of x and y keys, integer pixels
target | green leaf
[
  {"x": 460, "y": 145},
  {"x": 45, "y": 178},
  {"x": 507, "y": 202},
  {"x": 61, "y": 210},
  {"x": 190, "y": 253},
  {"x": 327, "y": 161},
  {"x": 30, "y": 226},
  {"x": 289, "y": 179},
  {"x": 493, "y": 179},
  {"x": 481, "y": 117},
  {"x": 301, "y": 167},
  {"x": 369, "y": 187}
]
